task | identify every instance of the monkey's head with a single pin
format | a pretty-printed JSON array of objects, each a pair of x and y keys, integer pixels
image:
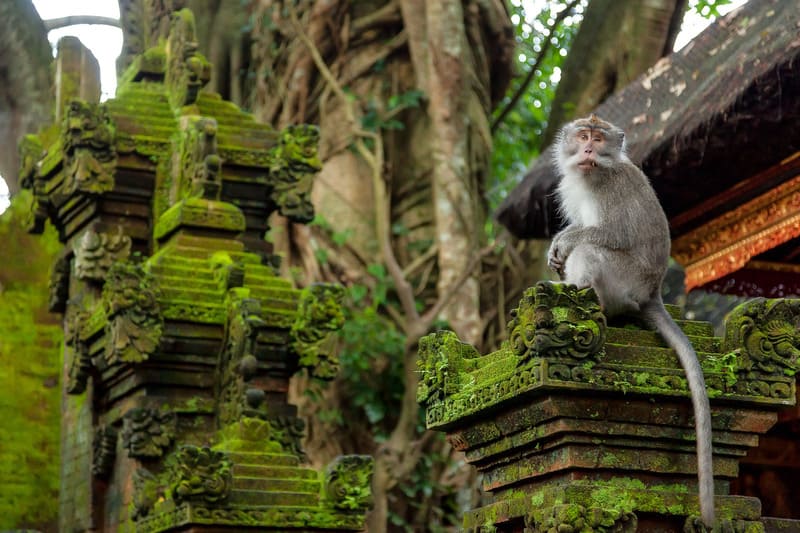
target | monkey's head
[{"x": 589, "y": 146}]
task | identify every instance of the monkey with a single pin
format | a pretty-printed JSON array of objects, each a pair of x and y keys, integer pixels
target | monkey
[{"x": 617, "y": 241}]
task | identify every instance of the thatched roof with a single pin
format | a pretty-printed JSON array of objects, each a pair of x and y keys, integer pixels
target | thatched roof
[{"x": 699, "y": 121}]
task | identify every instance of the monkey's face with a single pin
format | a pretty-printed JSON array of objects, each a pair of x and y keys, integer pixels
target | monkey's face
[{"x": 590, "y": 145}]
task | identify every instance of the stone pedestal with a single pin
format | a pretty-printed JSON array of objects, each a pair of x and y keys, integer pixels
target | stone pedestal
[{"x": 577, "y": 425}]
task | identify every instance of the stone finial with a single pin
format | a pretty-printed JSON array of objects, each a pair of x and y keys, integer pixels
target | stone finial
[
  {"x": 319, "y": 315},
  {"x": 347, "y": 482},
  {"x": 77, "y": 74},
  {"x": 187, "y": 69},
  {"x": 763, "y": 336},
  {"x": 766, "y": 335},
  {"x": 292, "y": 172},
  {"x": 557, "y": 320}
]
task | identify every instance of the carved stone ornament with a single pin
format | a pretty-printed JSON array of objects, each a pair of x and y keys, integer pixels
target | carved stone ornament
[
  {"x": 104, "y": 449},
  {"x": 574, "y": 517},
  {"x": 79, "y": 364},
  {"x": 187, "y": 70},
  {"x": 289, "y": 431},
  {"x": 765, "y": 334},
  {"x": 200, "y": 474},
  {"x": 147, "y": 490},
  {"x": 59, "y": 284},
  {"x": 238, "y": 365},
  {"x": 319, "y": 315},
  {"x": 147, "y": 432},
  {"x": 197, "y": 158},
  {"x": 555, "y": 320},
  {"x": 95, "y": 252},
  {"x": 134, "y": 322},
  {"x": 88, "y": 146},
  {"x": 348, "y": 479},
  {"x": 441, "y": 363},
  {"x": 292, "y": 172}
]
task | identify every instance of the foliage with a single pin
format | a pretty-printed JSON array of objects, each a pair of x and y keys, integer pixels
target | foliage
[
  {"x": 517, "y": 138},
  {"x": 371, "y": 356},
  {"x": 29, "y": 375},
  {"x": 707, "y": 8},
  {"x": 424, "y": 486}
]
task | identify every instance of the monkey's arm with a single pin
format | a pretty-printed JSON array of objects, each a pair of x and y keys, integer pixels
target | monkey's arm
[{"x": 568, "y": 239}]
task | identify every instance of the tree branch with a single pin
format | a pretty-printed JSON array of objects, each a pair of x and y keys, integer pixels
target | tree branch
[
  {"x": 532, "y": 72},
  {"x": 74, "y": 20}
]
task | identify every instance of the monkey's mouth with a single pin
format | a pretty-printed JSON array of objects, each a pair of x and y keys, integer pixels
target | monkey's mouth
[{"x": 587, "y": 164}]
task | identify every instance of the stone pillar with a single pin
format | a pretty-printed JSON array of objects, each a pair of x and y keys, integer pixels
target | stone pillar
[
  {"x": 77, "y": 74},
  {"x": 577, "y": 425}
]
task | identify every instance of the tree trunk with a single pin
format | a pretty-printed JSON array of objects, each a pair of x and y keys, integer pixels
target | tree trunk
[
  {"x": 25, "y": 81},
  {"x": 617, "y": 41}
]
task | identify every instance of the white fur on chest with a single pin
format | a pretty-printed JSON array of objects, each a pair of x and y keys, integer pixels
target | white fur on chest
[{"x": 577, "y": 202}]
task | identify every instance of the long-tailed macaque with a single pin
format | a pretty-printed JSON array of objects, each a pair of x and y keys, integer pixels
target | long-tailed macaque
[{"x": 618, "y": 242}]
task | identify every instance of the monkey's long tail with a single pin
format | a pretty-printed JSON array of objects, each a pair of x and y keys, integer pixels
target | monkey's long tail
[{"x": 655, "y": 314}]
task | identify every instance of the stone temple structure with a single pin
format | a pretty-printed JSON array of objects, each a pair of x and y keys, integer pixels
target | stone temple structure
[
  {"x": 578, "y": 425},
  {"x": 181, "y": 337}
]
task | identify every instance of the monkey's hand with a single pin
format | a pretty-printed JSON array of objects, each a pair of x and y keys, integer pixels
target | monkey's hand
[{"x": 556, "y": 257}]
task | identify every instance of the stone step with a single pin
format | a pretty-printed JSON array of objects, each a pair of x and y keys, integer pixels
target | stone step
[
  {"x": 207, "y": 243},
  {"x": 692, "y": 328},
  {"x": 283, "y": 298},
  {"x": 182, "y": 272},
  {"x": 182, "y": 291},
  {"x": 283, "y": 499},
  {"x": 189, "y": 281},
  {"x": 268, "y": 281},
  {"x": 640, "y": 337},
  {"x": 174, "y": 260},
  {"x": 675, "y": 311},
  {"x": 263, "y": 459},
  {"x": 275, "y": 472},
  {"x": 646, "y": 356},
  {"x": 298, "y": 486}
]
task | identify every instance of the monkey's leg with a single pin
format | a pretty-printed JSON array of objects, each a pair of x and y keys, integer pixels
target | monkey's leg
[{"x": 608, "y": 272}]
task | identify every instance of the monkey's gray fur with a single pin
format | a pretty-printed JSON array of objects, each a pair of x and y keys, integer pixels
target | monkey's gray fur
[{"x": 617, "y": 241}]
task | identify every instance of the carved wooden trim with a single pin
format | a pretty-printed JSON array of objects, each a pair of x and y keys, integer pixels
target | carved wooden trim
[
  {"x": 728, "y": 242},
  {"x": 740, "y": 192}
]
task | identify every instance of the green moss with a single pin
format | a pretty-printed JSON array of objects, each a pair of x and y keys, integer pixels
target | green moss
[
  {"x": 248, "y": 435},
  {"x": 29, "y": 375}
]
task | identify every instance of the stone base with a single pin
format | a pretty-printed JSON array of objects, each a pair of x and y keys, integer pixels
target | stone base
[
  {"x": 620, "y": 505},
  {"x": 570, "y": 437}
]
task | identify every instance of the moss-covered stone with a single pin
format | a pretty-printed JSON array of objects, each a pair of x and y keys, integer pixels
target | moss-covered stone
[
  {"x": 176, "y": 320},
  {"x": 580, "y": 426}
]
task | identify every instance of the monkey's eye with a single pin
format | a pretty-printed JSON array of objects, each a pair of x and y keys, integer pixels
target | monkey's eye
[
  {"x": 583, "y": 136},
  {"x": 597, "y": 139}
]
